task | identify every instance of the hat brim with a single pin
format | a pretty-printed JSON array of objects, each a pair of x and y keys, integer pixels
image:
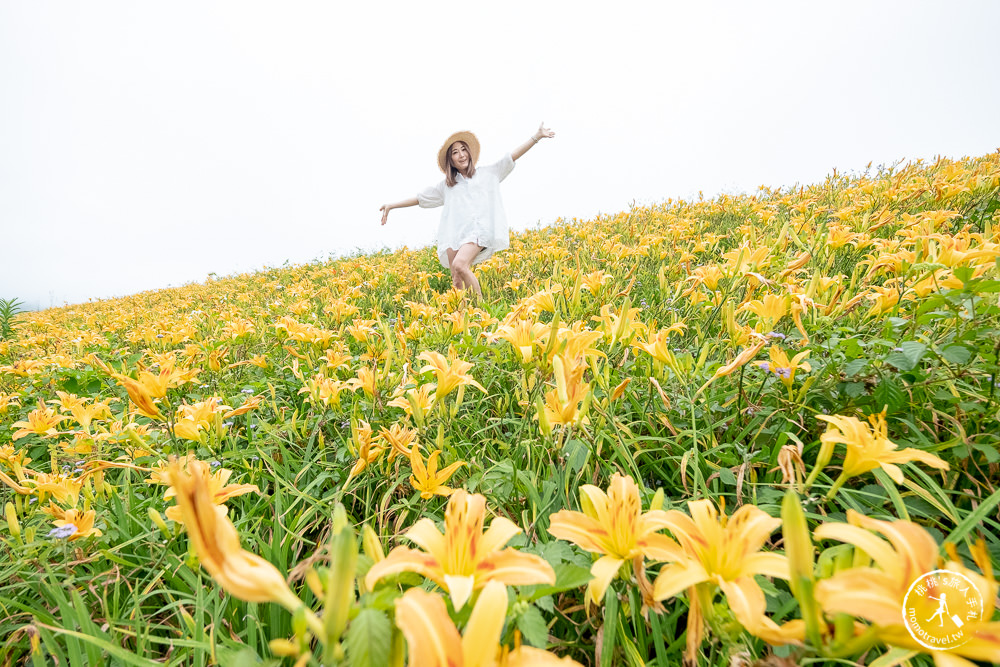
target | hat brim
[{"x": 470, "y": 140}]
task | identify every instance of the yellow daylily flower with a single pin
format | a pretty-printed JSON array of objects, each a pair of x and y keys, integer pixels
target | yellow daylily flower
[
  {"x": 868, "y": 447},
  {"x": 400, "y": 438},
  {"x": 428, "y": 480},
  {"x": 368, "y": 452},
  {"x": 614, "y": 525},
  {"x": 42, "y": 421},
  {"x": 568, "y": 402},
  {"x": 769, "y": 310},
  {"x": 784, "y": 368},
  {"x": 434, "y": 641},
  {"x": 524, "y": 335},
  {"x": 450, "y": 376},
  {"x": 657, "y": 346},
  {"x": 464, "y": 558},
  {"x": 726, "y": 552},
  {"x": 75, "y": 524},
  {"x": 876, "y": 593},
  {"x": 214, "y": 538},
  {"x": 141, "y": 398},
  {"x": 741, "y": 359},
  {"x": 218, "y": 489}
]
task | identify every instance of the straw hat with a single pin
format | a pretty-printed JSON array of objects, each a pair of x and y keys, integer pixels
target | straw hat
[{"x": 469, "y": 138}]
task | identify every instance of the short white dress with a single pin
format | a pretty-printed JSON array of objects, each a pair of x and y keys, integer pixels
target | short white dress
[{"x": 473, "y": 211}]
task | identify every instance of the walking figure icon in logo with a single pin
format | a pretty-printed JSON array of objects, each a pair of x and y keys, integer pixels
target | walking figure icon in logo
[{"x": 942, "y": 610}]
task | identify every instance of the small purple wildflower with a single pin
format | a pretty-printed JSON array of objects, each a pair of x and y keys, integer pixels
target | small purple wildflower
[{"x": 63, "y": 532}]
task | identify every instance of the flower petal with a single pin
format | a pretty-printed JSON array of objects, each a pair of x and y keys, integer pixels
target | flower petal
[
  {"x": 676, "y": 577},
  {"x": 430, "y": 634},
  {"x": 482, "y": 632},
  {"x": 604, "y": 570}
]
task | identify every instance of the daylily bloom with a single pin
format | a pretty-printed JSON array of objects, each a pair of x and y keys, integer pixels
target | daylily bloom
[
  {"x": 725, "y": 552},
  {"x": 82, "y": 523},
  {"x": 190, "y": 420},
  {"x": 368, "y": 453},
  {"x": 214, "y": 538},
  {"x": 450, "y": 376},
  {"x": 434, "y": 641},
  {"x": 428, "y": 480},
  {"x": 741, "y": 359},
  {"x": 769, "y": 310},
  {"x": 216, "y": 483},
  {"x": 401, "y": 440},
  {"x": 524, "y": 335},
  {"x": 614, "y": 525},
  {"x": 416, "y": 403},
  {"x": 567, "y": 403},
  {"x": 876, "y": 593},
  {"x": 42, "y": 421},
  {"x": 782, "y": 367},
  {"x": 658, "y": 346},
  {"x": 141, "y": 398},
  {"x": 868, "y": 447},
  {"x": 464, "y": 558},
  {"x": 618, "y": 326}
]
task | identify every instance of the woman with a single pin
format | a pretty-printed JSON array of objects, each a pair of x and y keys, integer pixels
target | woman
[{"x": 473, "y": 225}]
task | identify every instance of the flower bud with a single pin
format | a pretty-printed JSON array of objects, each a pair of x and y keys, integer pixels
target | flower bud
[{"x": 13, "y": 525}]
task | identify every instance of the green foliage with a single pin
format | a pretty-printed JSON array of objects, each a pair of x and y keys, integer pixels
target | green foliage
[{"x": 9, "y": 310}]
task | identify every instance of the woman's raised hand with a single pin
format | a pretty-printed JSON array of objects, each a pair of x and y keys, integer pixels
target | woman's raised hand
[
  {"x": 544, "y": 132},
  {"x": 385, "y": 208}
]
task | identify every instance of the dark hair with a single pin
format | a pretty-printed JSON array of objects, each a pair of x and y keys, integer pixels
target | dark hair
[{"x": 451, "y": 171}]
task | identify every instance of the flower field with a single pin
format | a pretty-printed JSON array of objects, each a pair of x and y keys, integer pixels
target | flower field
[{"x": 720, "y": 432}]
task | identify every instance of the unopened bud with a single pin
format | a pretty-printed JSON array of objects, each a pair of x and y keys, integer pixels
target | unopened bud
[{"x": 13, "y": 525}]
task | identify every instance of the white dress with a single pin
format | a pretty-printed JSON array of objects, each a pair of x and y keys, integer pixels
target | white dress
[{"x": 473, "y": 211}]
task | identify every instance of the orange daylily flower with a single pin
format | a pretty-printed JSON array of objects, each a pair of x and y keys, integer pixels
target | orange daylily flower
[
  {"x": 450, "y": 376},
  {"x": 214, "y": 538},
  {"x": 75, "y": 524},
  {"x": 726, "y": 552},
  {"x": 614, "y": 525},
  {"x": 876, "y": 593},
  {"x": 868, "y": 447},
  {"x": 434, "y": 641},
  {"x": 464, "y": 558},
  {"x": 427, "y": 479},
  {"x": 216, "y": 484},
  {"x": 42, "y": 421},
  {"x": 741, "y": 359}
]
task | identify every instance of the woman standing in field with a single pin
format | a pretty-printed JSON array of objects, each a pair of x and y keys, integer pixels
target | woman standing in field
[{"x": 473, "y": 225}]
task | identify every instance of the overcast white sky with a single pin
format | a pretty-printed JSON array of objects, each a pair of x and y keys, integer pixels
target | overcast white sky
[{"x": 149, "y": 144}]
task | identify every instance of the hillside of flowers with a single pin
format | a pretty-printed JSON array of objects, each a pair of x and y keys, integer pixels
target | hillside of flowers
[{"x": 715, "y": 432}]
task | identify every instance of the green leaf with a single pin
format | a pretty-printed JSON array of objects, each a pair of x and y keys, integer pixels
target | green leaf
[
  {"x": 568, "y": 576},
  {"x": 855, "y": 367},
  {"x": 368, "y": 639},
  {"x": 532, "y": 625},
  {"x": 727, "y": 477},
  {"x": 974, "y": 518},
  {"x": 889, "y": 393},
  {"x": 956, "y": 354},
  {"x": 913, "y": 350}
]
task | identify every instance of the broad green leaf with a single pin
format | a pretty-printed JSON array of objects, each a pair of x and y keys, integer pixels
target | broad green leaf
[
  {"x": 956, "y": 354},
  {"x": 368, "y": 639},
  {"x": 532, "y": 625}
]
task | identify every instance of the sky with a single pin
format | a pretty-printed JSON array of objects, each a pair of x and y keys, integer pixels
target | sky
[{"x": 146, "y": 145}]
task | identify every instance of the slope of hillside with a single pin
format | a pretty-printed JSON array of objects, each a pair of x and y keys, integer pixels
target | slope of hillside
[{"x": 819, "y": 364}]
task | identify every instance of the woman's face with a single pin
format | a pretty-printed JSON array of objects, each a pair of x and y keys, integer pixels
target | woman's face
[{"x": 460, "y": 156}]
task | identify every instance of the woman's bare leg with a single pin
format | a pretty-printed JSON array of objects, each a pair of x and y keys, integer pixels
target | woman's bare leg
[{"x": 460, "y": 263}]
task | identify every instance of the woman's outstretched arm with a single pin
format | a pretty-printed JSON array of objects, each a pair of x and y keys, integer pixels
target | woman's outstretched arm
[
  {"x": 542, "y": 133},
  {"x": 385, "y": 208}
]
